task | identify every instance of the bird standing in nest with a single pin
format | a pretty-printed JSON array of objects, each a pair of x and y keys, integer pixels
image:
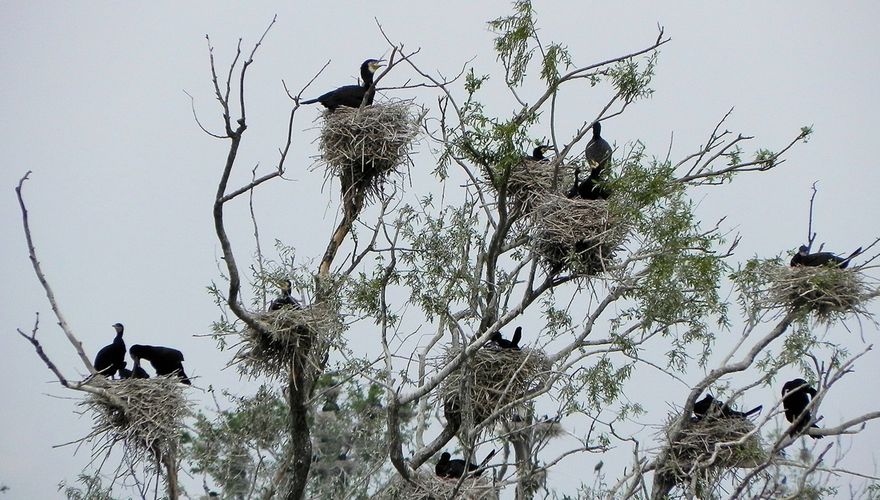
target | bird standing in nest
[
  {"x": 796, "y": 396},
  {"x": 538, "y": 153},
  {"x": 138, "y": 372},
  {"x": 503, "y": 343},
  {"x": 285, "y": 299},
  {"x": 598, "y": 154},
  {"x": 111, "y": 358},
  {"x": 352, "y": 96},
  {"x": 165, "y": 360},
  {"x": 455, "y": 468},
  {"x": 804, "y": 258},
  {"x": 711, "y": 407}
]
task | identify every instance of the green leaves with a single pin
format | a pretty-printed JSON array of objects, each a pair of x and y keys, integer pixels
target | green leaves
[{"x": 512, "y": 45}]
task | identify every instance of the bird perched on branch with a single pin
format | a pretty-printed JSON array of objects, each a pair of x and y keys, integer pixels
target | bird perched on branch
[
  {"x": 352, "y": 95},
  {"x": 285, "y": 299},
  {"x": 165, "y": 360},
  {"x": 111, "y": 358},
  {"x": 804, "y": 258},
  {"x": 455, "y": 468},
  {"x": 711, "y": 407},
  {"x": 503, "y": 343},
  {"x": 796, "y": 396},
  {"x": 138, "y": 372},
  {"x": 538, "y": 153}
]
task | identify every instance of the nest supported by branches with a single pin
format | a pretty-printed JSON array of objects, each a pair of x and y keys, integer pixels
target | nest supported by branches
[
  {"x": 582, "y": 235},
  {"x": 427, "y": 486},
  {"x": 829, "y": 292},
  {"x": 145, "y": 415},
  {"x": 491, "y": 380},
  {"x": 708, "y": 448},
  {"x": 293, "y": 337},
  {"x": 530, "y": 181},
  {"x": 364, "y": 146}
]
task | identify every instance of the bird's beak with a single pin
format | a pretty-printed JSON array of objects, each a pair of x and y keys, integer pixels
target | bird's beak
[{"x": 378, "y": 64}]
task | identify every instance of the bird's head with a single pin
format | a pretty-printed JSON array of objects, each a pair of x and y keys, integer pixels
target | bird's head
[
  {"x": 597, "y": 129},
  {"x": 372, "y": 65},
  {"x": 445, "y": 456},
  {"x": 538, "y": 152},
  {"x": 118, "y": 327},
  {"x": 803, "y": 250},
  {"x": 496, "y": 336},
  {"x": 285, "y": 286}
]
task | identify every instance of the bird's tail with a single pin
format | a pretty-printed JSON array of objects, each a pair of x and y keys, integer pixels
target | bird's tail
[
  {"x": 851, "y": 257},
  {"x": 310, "y": 101},
  {"x": 486, "y": 460},
  {"x": 814, "y": 426},
  {"x": 754, "y": 410}
]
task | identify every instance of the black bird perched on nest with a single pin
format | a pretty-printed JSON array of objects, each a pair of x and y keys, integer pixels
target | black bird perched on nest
[
  {"x": 538, "y": 153},
  {"x": 598, "y": 155},
  {"x": 598, "y": 150},
  {"x": 455, "y": 468},
  {"x": 351, "y": 95},
  {"x": 165, "y": 360},
  {"x": 138, "y": 372},
  {"x": 796, "y": 396},
  {"x": 503, "y": 343},
  {"x": 111, "y": 358},
  {"x": 803, "y": 258},
  {"x": 285, "y": 299},
  {"x": 711, "y": 407}
]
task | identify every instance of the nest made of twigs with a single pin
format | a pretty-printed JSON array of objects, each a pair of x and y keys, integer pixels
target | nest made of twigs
[
  {"x": 293, "y": 337},
  {"x": 530, "y": 181},
  {"x": 363, "y": 146},
  {"x": 692, "y": 453},
  {"x": 491, "y": 380},
  {"x": 827, "y": 291},
  {"x": 582, "y": 235},
  {"x": 145, "y": 415},
  {"x": 426, "y": 485}
]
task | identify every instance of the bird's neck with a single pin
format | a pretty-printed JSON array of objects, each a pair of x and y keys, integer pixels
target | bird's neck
[{"x": 367, "y": 77}]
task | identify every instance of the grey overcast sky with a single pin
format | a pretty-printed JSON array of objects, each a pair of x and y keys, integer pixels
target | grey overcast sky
[{"x": 123, "y": 180}]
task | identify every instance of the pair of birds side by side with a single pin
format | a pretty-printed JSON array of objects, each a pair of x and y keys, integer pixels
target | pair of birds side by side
[
  {"x": 352, "y": 96},
  {"x": 110, "y": 360},
  {"x": 598, "y": 154},
  {"x": 803, "y": 257},
  {"x": 454, "y": 468},
  {"x": 796, "y": 396}
]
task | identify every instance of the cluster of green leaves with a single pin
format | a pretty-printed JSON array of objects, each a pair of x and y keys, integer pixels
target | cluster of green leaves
[
  {"x": 677, "y": 288},
  {"x": 632, "y": 79},
  {"x": 439, "y": 268},
  {"x": 90, "y": 488}
]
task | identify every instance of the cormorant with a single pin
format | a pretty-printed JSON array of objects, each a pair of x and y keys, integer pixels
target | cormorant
[
  {"x": 138, "y": 372},
  {"x": 802, "y": 258},
  {"x": 285, "y": 299},
  {"x": 796, "y": 396},
  {"x": 538, "y": 153},
  {"x": 590, "y": 188},
  {"x": 709, "y": 406},
  {"x": 351, "y": 95},
  {"x": 455, "y": 468},
  {"x": 165, "y": 360},
  {"x": 111, "y": 358},
  {"x": 598, "y": 150},
  {"x": 503, "y": 343}
]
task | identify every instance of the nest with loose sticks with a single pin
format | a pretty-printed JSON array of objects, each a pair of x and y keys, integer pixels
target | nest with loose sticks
[
  {"x": 491, "y": 380},
  {"x": 530, "y": 181},
  {"x": 364, "y": 146},
  {"x": 711, "y": 446},
  {"x": 582, "y": 235},
  {"x": 293, "y": 337},
  {"x": 145, "y": 415},
  {"x": 427, "y": 486},
  {"x": 829, "y": 292}
]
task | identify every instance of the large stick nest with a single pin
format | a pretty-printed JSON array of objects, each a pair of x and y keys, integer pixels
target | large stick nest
[
  {"x": 427, "y": 486},
  {"x": 829, "y": 292},
  {"x": 582, "y": 235},
  {"x": 712, "y": 446},
  {"x": 293, "y": 337},
  {"x": 491, "y": 380},
  {"x": 364, "y": 146},
  {"x": 530, "y": 181},
  {"x": 148, "y": 422}
]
